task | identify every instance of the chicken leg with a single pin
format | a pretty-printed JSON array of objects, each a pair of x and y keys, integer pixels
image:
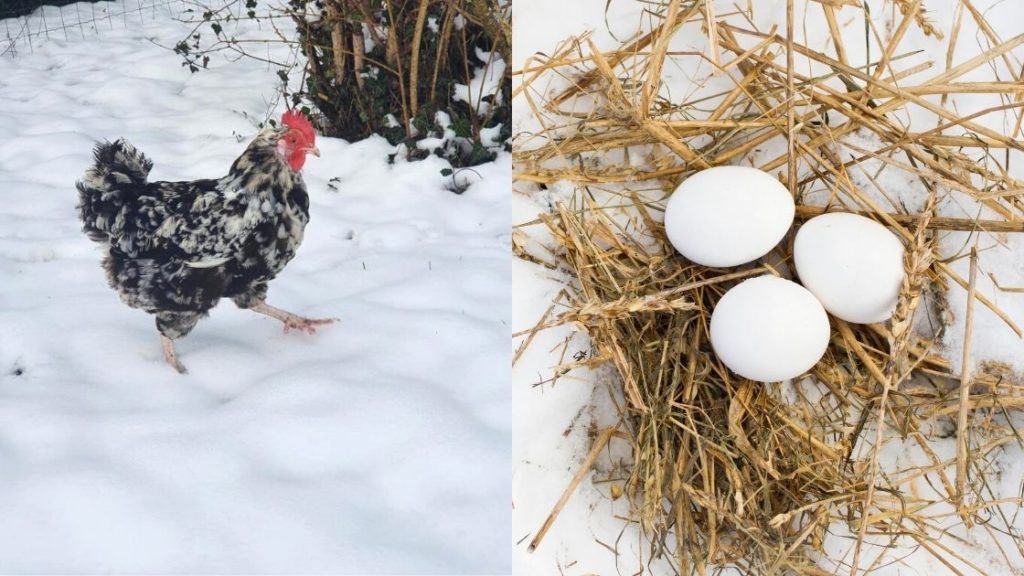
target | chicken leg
[
  {"x": 291, "y": 321},
  {"x": 170, "y": 356}
]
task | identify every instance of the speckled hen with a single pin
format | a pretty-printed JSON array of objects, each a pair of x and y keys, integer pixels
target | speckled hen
[{"x": 176, "y": 248}]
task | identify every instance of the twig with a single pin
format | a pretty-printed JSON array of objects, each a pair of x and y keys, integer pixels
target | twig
[{"x": 414, "y": 60}]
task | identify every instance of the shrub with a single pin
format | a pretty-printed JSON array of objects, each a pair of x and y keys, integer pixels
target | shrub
[{"x": 431, "y": 74}]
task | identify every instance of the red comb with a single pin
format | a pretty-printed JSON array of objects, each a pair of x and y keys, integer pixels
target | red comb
[{"x": 298, "y": 121}]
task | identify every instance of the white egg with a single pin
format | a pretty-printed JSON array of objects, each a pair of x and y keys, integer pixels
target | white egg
[
  {"x": 728, "y": 215},
  {"x": 853, "y": 264},
  {"x": 769, "y": 329}
]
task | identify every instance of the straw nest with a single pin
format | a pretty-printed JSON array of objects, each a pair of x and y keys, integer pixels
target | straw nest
[{"x": 730, "y": 472}]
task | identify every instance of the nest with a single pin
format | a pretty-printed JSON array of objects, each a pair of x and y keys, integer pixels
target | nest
[{"x": 730, "y": 472}]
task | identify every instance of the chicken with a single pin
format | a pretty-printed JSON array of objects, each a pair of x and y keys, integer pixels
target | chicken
[{"x": 174, "y": 249}]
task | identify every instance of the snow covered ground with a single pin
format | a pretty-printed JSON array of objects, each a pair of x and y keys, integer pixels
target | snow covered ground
[
  {"x": 556, "y": 416},
  {"x": 379, "y": 445}
]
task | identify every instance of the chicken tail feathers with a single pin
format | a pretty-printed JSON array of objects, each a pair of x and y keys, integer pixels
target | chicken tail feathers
[{"x": 107, "y": 188}]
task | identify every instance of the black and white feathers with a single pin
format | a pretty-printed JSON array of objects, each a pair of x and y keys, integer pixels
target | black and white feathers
[{"x": 176, "y": 248}]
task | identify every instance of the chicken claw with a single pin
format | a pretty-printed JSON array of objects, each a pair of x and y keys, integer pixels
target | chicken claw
[
  {"x": 292, "y": 321},
  {"x": 307, "y": 325},
  {"x": 170, "y": 357}
]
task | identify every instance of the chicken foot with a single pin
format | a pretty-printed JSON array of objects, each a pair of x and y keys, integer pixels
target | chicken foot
[
  {"x": 170, "y": 356},
  {"x": 292, "y": 321}
]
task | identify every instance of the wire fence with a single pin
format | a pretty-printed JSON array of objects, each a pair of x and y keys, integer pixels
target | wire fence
[{"x": 32, "y": 24}]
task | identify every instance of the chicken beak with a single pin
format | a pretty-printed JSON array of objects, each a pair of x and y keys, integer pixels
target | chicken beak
[{"x": 314, "y": 151}]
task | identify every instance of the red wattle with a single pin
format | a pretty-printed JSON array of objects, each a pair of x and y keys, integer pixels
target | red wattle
[{"x": 296, "y": 160}]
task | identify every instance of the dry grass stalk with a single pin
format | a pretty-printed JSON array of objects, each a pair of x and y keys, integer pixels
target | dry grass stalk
[
  {"x": 934, "y": 223},
  {"x": 790, "y": 103},
  {"x": 729, "y": 472},
  {"x": 920, "y": 17},
  {"x": 965, "y": 388},
  {"x": 595, "y": 451},
  {"x": 839, "y": 3},
  {"x": 916, "y": 263}
]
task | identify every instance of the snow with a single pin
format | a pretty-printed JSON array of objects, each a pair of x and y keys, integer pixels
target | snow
[
  {"x": 379, "y": 445},
  {"x": 444, "y": 122},
  {"x": 555, "y": 416},
  {"x": 485, "y": 83}
]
